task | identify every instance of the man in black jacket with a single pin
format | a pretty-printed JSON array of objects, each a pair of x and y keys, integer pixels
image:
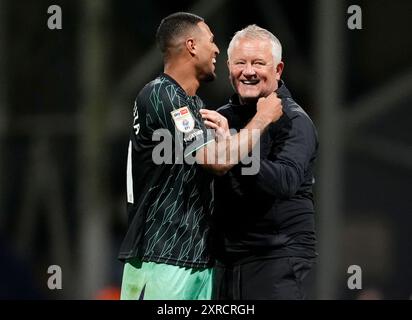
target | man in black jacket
[{"x": 265, "y": 232}]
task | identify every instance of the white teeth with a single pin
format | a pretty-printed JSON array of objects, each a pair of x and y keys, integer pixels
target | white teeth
[
  {"x": 214, "y": 60},
  {"x": 250, "y": 81}
]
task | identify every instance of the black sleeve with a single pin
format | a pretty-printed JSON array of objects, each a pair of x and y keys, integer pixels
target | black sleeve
[{"x": 283, "y": 172}]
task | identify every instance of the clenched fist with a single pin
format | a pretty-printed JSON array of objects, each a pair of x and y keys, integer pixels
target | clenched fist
[{"x": 270, "y": 107}]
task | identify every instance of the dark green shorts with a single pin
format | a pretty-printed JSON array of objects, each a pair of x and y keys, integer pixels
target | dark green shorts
[{"x": 159, "y": 281}]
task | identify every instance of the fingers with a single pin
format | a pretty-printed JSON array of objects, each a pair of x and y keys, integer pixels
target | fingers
[
  {"x": 212, "y": 116},
  {"x": 270, "y": 107},
  {"x": 211, "y": 125},
  {"x": 270, "y": 99},
  {"x": 273, "y": 95}
]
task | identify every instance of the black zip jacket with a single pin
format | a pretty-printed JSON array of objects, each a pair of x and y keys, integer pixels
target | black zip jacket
[{"x": 271, "y": 213}]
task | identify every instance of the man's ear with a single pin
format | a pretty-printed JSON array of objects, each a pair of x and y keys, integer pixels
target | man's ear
[
  {"x": 191, "y": 46},
  {"x": 279, "y": 70}
]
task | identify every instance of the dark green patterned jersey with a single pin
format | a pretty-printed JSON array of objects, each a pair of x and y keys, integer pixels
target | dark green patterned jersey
[{"x": 169, "y": 197}]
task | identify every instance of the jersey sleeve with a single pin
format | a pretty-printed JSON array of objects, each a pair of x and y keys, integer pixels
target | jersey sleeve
[
  {"x": 167, "y": 115},
  {"x": 199, "y": 136}
]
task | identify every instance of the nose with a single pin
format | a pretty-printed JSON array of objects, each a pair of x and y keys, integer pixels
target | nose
[
  {"x": 217, "y": 51},
  {"x": 248, "y": 70}
]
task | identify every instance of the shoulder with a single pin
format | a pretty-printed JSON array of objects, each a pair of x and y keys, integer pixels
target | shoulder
[
  {"x": 160, "y": 94},
  {"x": 294, "y": 111},
  {"x": 291, "y": 109},
  {"x": 156, "y": 86},
  {"x": 296, "y": 122}
]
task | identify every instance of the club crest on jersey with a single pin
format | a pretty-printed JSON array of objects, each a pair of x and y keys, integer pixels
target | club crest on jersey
[{"x": 183, "y": 119}]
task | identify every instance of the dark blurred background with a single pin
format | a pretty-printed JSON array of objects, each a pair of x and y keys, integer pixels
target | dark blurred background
[{"x": 66, "y": 100}]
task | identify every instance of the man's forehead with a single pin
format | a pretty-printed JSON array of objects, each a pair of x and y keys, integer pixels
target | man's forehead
[
  {"x": 252, "y": 49},
  {"x": 252, "y": 43},
  {"x": 251, "y": 46}
]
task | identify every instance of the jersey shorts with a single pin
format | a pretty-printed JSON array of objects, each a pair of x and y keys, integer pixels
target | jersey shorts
[{"x": 159, "y": 281}]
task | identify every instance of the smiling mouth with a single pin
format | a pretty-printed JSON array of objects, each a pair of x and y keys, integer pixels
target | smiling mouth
[{"x": 249, "y": 82}]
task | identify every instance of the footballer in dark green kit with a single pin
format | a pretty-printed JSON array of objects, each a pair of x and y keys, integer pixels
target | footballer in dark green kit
[{"x": 170, "y": 200}]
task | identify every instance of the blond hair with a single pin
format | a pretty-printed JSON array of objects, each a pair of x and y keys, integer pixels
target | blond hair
[{"x": 255, "y": 32}]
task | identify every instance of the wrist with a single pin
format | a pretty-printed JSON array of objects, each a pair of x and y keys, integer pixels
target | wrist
[{"x": 261, "y": 121}]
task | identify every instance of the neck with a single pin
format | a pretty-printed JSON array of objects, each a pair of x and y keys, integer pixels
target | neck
[
  {"x": 184, "y": 74},
  {"x": 255, "y": 100},
  {"x": 249, "y": 101}
]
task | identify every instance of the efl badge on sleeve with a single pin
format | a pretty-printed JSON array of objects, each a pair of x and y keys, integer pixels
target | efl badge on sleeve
[{"x": 183, "y": 119}]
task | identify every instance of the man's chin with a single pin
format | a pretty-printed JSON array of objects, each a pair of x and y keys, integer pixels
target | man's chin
[
  {"x": 209, "y": 77},
  {"x": 248, "y": 98}
]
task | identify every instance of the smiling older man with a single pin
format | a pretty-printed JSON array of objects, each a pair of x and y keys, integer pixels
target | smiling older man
[{"x": 265, "y": 242}]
